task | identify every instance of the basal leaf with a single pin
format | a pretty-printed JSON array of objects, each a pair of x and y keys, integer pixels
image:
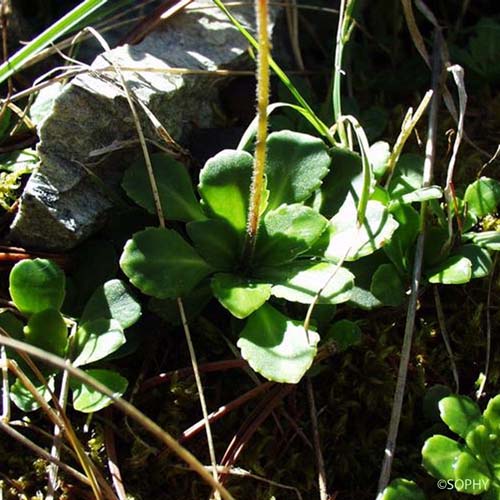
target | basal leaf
[
  {"x": 402, "y": 489},
  {"x": 112, "y": 301},
  {"x": 286, "y": 232},
  {"x": 240, "y": 296},
  {"x": 296, "y": 164},
  {"x": 47, "y": 330},
  {"x": 471, "y": 476},
  {"x": 479, "y": 257},
  {"x": 174, "y": 188},
  {"x": 440, "y": 455},
  {"x": 348, "y": 240},
  {"x": 87, "y": 400},
  {"x": 343, "y": 183},
  {"x": 225, "y": 187},
  {"x": 487, "y": 239},
  {"x": 483, "y": 196},
  {"x": 408, "y": 175},
  {"x": 400, "y": 247},
  {"x": 420, "y": 195},
  {"x": 36, "y": 285},
  {"x": 492, "y": 414},
  {"x": 217, "y": 242},
  {"x": 277, "y": 347},
  {"x": 23, "y": 398},
  {"x": 387, "y": 286},
  {"x": 455, "y": 270},
  {"x": 302, "y": 280},
  {"x": 460, "y": 414},
  {"x": 96, "y": 339},
  {"x": 160, "y": 263}
]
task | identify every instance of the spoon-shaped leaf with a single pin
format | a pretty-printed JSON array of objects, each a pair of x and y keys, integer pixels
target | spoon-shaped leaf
[
  {"x": 240, "y": 296},
  {"x": 97, "y": 339},
  {"x": 112, "y": 301},
  {"x": 296, "y": 164},
  {"x": 302, "y": 280},
  {"x": 286, "y": 232},
  {"x": 48, "y": 331},
  {"x": 36, "y": 285},
  {"x": 225, "y": 187},
  {"x": 87, "y": 400},
  {"x": 160, "y": 263},
  {"x": 277, "y": 347}
]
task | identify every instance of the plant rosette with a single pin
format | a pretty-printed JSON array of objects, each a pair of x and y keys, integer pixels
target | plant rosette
[
  {"x": 37, "y": 288},
  {"x": 297, "y": 250},
  {"x": 472, "y": 464}
]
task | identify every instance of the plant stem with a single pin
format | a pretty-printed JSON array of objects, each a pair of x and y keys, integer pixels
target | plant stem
[
  {"x": 430, "y": 148},
  {"x": 201, "y": 395},
  {"x": 259, "y": 164}
]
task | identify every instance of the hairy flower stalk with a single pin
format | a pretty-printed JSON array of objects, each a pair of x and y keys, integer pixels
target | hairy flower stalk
[{"x": 259, "y": 164}]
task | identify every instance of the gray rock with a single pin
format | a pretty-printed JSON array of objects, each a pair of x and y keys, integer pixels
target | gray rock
[{"x": 62, "y": 204}]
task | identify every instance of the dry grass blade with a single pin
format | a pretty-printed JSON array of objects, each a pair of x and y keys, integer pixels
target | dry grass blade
[{"x": 125, "y": 407}]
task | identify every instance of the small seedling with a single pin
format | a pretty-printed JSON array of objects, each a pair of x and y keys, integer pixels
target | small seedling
[{"x": 472, "y": 463}]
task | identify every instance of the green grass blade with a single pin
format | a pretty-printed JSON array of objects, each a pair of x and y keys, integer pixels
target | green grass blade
[{"x": 15, "y": 63}]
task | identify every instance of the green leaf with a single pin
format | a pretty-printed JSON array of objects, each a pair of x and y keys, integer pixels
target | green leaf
[
  {"x": 387, "y": 286},
  {"x": 343, "y": 184},
  {"x": 378, "y": 155},
  {"x": 401, "y": 245},
  {"x": 240, "y": 296},
  {"x": 48, "y": 331},
  {"x": 112, "y": 301},
  {"x": 344, "y": 333},
  {"x": 302, "y": 280},
  {"x": 36, "y": 285},
  {"x": 492, "y": 414},
  {"x": 420, "y": 195},
  {"x": 455, "y": 270},
  {"x": 225, "y": 187},
  {"x": 363, "y": 271},
  {"x": 480, "y": 259},
  {"x": 439, "y": 456},
  {"x": 174, "y": 188},
  {"x": 97, "y": 339},
  {"x": 87, "y": 400},
  {"x": 160, "y": 263},
  {"x": 487, "y": 239},
  {"x": 471, "y": 476},
  {"x": 460, "y": 414},
  {"x": 217, "y": 242},
  {"x": 277, "y": 347},
  {"x": 408, "y": 175},
  {"x": 23, "y": 398},
  {"x": 296, "y": 164},
  {"x": 402, "y": 489},
  {"x": 483, "y": 196},
  {"x": 484, "y": 445},
  {"x": 347, "y": 239},
  {"x": 286, "y": 232}
]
